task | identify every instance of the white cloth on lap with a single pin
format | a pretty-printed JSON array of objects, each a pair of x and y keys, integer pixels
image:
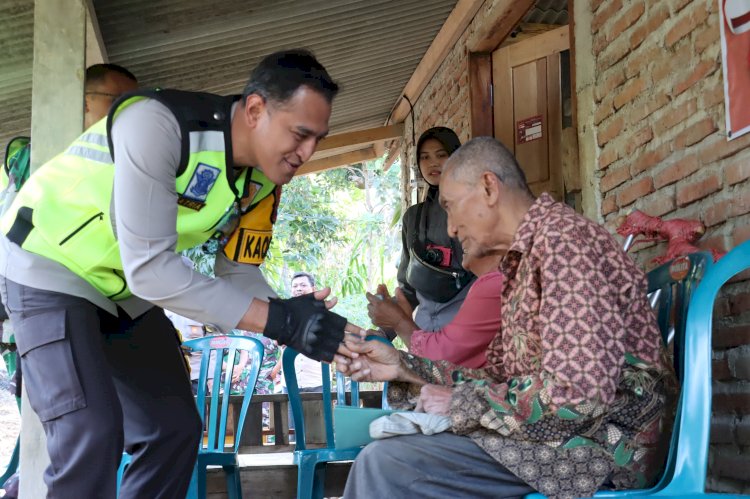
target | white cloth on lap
[{"x": 407, "y": 423}]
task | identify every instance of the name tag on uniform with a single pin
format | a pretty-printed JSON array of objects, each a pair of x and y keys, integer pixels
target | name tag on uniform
[{"x": 252, "y": 246}]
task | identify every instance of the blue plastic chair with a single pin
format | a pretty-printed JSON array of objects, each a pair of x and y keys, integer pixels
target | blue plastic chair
[
  {"x": 215, "y": 452},
  {"x": 311, "y": 462}
]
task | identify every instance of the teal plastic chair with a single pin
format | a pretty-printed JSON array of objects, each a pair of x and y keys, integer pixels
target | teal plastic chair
[
  {"x": 214, "y": 452},
  {"x": 311, "y": 462},
  {"x": 692, "y": 298}
]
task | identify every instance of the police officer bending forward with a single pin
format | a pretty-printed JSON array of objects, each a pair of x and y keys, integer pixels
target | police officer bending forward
[{"x": 88, "y": 259}]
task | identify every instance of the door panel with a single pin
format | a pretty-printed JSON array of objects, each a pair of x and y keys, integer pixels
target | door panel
[{"x": 527, "y": 108}]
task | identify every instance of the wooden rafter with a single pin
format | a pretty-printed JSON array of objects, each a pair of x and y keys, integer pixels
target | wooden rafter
[
  {"x": 347, "y": 158},
  {"x": 96, "y": 52},
  {"x": 361, "y": 137},
  {"x": 452, "y": 29}
]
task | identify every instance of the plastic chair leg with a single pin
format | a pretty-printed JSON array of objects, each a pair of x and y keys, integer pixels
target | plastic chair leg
[
  {"x": 234, "y": 483},
  {"x": 197, "y": 488},
  {"x": 310, "y": 479},
  {"x": 124, "y": 463}
]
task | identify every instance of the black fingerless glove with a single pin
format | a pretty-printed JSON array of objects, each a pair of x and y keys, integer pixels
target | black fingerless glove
[{"x": 305, "y": 324}]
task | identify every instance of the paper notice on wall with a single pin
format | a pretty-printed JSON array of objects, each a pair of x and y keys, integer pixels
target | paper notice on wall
[
  {"x": 735, "y": 54},
  {"x": 529, "y": 129}
]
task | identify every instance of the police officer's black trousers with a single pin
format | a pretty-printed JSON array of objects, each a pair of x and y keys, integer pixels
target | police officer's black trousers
[{"x": 99, "y": 384}]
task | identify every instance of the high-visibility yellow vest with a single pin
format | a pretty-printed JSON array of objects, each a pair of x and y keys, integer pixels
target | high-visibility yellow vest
[{"x": 63, "y": 212}]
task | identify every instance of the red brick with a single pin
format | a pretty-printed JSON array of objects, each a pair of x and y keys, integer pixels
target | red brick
[
  {"x": 600, "y": 43},
  {"x": 712, "y": 96},
  {"x": 678, "y": 5},
  {"x": 614, "y": 53},
  {"x": 701, "y": 71},
  {"x": 608, "y": 156},
  {"x": 737, "y": 171},
  {"x": 720, "y": 371},
  {"x": 655, "y": 19},
  {"x": 642, "y": 136},
  {"x": 634, "y": 191},
  {"x": 732, "y": 464},
  {"x": 610, "y": 131},
  {"x": 739, "y": 303},
  {"x": 676, "y": 171},
  {"x": 659, "y": 203},
  {"x": 626, "y": 20},
  {"x": 697, "y": 189},
  {"x": 614, "y": 177},
  {"x": 721, "y": 148},
  {"x": 721, "y": 306},
  {"x": 649, "y": 159},
  {"x": 728, "y": 403},
  {"x": 676, "y": 114},
  {"x": 731, "y": 336},
  {"x": 685, "y": 25},
  {"x": 705, "y": 38},
  {"x": 742, "y": 428},
  {"x": 741, "y": 234},
  {"x": 717, "y": 213},
  {"x": 604, "y": 110},
  {"x": 646, "y": 107},
  {"x": 630, "y": 91},
  {"x": 605, "y": 14},
  {"x": 614, "y": 79},
  {"x": 722, "y": 427},
  {"x": 716, "y": 243},
  {"x": 609, "y": 205},
  {"x": 641, "y": 59},
  {"x": 694, "y": 133},
  {"x": 739, "y": 362}
]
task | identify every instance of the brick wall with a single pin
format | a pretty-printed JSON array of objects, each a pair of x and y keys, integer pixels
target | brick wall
[
  {"x": 652, "y": 136},
  {"x": 661, "y": 141}
]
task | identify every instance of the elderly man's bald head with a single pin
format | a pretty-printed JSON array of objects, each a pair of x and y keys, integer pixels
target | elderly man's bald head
[{"x": 485, "y": 154}]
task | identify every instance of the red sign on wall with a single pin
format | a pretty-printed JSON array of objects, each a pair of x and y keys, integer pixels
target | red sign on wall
[
  {"x": 529, "y": 129},
  {"x": 735, "y": 51}
]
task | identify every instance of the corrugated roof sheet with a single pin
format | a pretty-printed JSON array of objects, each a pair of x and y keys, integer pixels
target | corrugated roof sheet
[
  {"x": 371, "y": 47},
  {"x": 548, "y": 12}
]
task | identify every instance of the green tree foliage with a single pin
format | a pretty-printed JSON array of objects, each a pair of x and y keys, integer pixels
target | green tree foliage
[{"x": 342, "y": 226}]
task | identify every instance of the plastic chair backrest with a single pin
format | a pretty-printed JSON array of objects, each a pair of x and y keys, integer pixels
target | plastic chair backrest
[
  {"x": 231, "y": 347},
  {"x": 670, "y": 287},
  {"x": 295, "y": 400},
  {"x": 694, "y": 410}
]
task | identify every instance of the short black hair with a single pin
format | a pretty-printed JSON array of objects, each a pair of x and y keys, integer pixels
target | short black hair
[
  {"x": 309, "y": 276},
  {"x": 279, "y": 75},
  {"x": 96, "y": 73}
]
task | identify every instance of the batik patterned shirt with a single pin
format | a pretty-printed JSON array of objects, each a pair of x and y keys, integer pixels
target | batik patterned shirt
[{"x": 578, "y": 390}]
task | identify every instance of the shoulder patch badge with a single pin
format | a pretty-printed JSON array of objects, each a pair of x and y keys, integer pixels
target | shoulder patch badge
[{"x": 203, "y": 179}]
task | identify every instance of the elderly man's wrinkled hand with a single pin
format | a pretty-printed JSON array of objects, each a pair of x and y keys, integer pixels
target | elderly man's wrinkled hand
[
  {"x": 375, "y": 361},
  {"x": 435, "y": 399}
]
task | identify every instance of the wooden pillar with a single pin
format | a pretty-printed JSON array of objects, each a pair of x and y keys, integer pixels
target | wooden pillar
[{"x": 56, "y": 119}]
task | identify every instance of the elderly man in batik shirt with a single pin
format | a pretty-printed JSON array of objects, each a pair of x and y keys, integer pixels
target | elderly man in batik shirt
[{"x": 578, "y": 395}]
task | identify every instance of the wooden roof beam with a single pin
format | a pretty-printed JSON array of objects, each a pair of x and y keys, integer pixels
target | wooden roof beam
[
  {"x": 347, "y": 158},
  {"x": 361, "y": 137},
  {"x": 452, "y": 29},
  {"x": 96, "y": 52}
]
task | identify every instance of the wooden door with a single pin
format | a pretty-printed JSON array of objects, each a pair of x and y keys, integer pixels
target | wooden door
[{"x": 527, "y": 107}]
